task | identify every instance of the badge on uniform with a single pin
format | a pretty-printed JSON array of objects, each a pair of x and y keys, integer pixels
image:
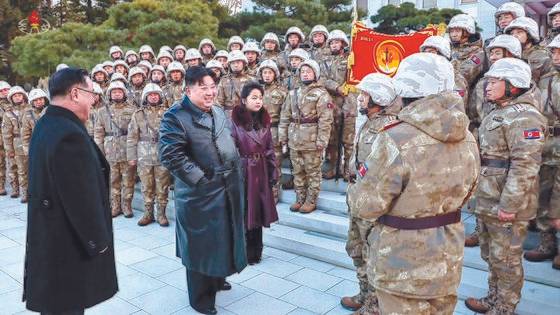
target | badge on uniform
[
  {"x": 475, "y": 59},
  {"x": 362, "y": 170},
  {"x": 330, "y": 105},
  {"x": 532, "y": 134},
  {"x": 461, "y": 93}
]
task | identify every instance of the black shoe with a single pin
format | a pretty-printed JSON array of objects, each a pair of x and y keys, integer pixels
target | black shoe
[
  {"x": 209, "y": 311},
  {"x": 226, "y": 286}
]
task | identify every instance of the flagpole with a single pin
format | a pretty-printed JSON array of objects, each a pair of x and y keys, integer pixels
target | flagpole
[{"x": 355, "y": 12}]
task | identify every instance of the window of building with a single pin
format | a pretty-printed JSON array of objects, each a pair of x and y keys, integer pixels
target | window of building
[
  {"x": 395, "y": 2},
  {"x": 429, "y": 4},
  {"x": 468, "y": 1}
]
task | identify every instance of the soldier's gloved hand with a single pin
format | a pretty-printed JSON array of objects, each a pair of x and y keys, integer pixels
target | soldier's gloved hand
[
  {"x": 556, "y": 224},
  {"x": 320, "y": 148},
  {"x": 505, "y": 216},
  {"x": 132, "y": 163}
]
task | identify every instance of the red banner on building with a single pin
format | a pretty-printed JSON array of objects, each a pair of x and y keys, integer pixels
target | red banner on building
[{"x": 377, "y": 52}]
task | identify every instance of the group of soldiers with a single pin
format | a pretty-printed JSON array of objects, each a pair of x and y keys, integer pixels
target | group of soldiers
[{"x": 509, "y": 86}]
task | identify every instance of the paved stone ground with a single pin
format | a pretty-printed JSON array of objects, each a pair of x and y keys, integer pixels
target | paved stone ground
[{"x": 152, "y": 280}]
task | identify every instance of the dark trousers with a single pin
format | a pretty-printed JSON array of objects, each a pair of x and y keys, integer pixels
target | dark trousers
[
  {"x": 253, "y": 239},
  {"x": 72, "y": 312},
  {"x": 202, "y": 290}
]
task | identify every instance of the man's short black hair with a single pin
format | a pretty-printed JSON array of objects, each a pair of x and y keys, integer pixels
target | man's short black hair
[
  {"x": 250, "y": 86},
  {"x": 63, "y": 80},
  {"x": 196, "y": 75}
]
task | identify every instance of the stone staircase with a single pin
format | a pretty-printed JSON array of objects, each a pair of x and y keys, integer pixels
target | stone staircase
[{"x": 322, "y": 235}]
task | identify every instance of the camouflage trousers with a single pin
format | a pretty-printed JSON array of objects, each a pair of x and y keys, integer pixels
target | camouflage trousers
[
  {"x": 307, "y": 174},
  {"x": 394, "y": 304},
  {"x": 501, "y": 246},
  {"x": 155, "y": 184},
  {"x": 549, "y": 195},
  {"x": 123, "y": 178},
  {"x": 17, "y": 173},
  {"x": 279, "y": 156},
  {"x": 348, "y": 111},
  {"x": 2, "y": 168},
  {"x": 357, "y": 249}
]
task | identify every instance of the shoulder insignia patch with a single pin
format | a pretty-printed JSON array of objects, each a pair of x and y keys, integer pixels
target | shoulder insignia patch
[
  {"x": 532, "y": 134},
  {"x": 461, "y": 93},
  {"x": 362, "y": 170},
  {"x": 390, "y": 125},
  {"x": 475, "y": 59}
]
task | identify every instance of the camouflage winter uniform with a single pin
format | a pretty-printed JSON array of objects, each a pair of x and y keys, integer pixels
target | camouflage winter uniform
[
  {"x": 511, "y": 144},
  {"x": 110, "y": 135},
  {"x": 229, "y": 90},
  {"x": 13, "y": 146},
  {"x": 469, "y": 59},
  {"x": 274, "y": 97},
  {"x": 272, "y": 55},
  {"x": 175, "y": 91},
  {"x": 550, "y": 36},
  {"x": 135, "y": 95},
  {"x": 417, "y": 169},
  {"x": 539, "y": 59},
  {"x": 4, "y": 105},
  {"x": 356, "y": 245},
  {"x": 30, "y": 117},
  {"x": 141, "y": 146},
  {"x": 320, "y": 54},
  {"x": 291, "y": 80},
  {"x": 252, "y": 70},
  {"x": 92, "y": 121},
  {"x": 305, "y": 124},
  {"x": 344, "y": 114}
]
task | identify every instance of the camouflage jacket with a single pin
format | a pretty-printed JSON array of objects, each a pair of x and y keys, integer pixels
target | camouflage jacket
[
  {"x": 92, "y": 121},
  {"x": 175, "y": 92},
  {"x": 229, "y": 90},
  {"x": 143, "y": 136},
  {"x": 28, "y": 122},
  {"x": 4, "y": 105},
  {"x": 11, "y": 129},
  {"x": 512, "y": 133},
  {"x": 549, "y": 37},
  {"x": 469, "y": 58},
  {"x": 283, "y": 59},
  {"x": 135, "y": 95},
  {"x": 272, "y": 55},
  {"x": 274, "y": 98},
  {"x": 550, "y": 95},
  {"x": 111, "y": 130},
  {"x": 320, "y": 54},
  {"x": 333, "y": 75},
  {"x": 462, "y": 88},
  {"x": 306, "y": 119},
  {"x": 252, "y": 70},
  {"x": 205, "y": 58},
  {"x": 291, "y": 80},
  {"x": 539, "y": 59},
  {"x": 421, "y": 167}
]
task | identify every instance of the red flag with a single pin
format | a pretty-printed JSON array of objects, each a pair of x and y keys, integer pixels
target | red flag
[{"x": 377, "y": 52}]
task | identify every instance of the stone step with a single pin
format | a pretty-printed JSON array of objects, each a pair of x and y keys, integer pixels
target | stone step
[{"x": 310, "y": 242}]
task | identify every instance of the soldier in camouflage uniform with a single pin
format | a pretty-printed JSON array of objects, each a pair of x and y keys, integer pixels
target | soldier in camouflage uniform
[
  {"x": 290, "y": 78},
  {"x": 11, "y": 135},
  {"x": 229, "y": 89},
  {"x": 466, "y": 53},
  {"x": 179, "y": 53},
  {"x": 344, "y": 114},
  {"x": 270, "y": 46},
  {"x": 164, "y": 58},
  {"x": 108, "y": 67},
  {"x": 503, "y": 16},
  {"x": 137, "y": 79},
  {"x": 320, "y": 49},
  {"x": 441, "y": 46},
  {"x": 92, "y": 119},
  {"x": 147, "y": 53},
  {"x": 553, "y": 19},
  {"x": 116, "y": 53},
  {"x": 207, "y": 49},
  {"x": 121, "y": 67},
  {"x": 176, "y": 74},
  {"x": 527, "y": 32},
  {"x": 146, "y": 66},
  {"x": 235, "y": 43},
  {"x": 110, "y": 135},
  {"x": 512, "y": 138},
  {"x": 502, "y": 46},
  {"x": 252, "y": 52},
  {"x": 159, "y": 77},
  {"x": 217, "y": 68},
  {"x": 100, "y": 76},
  {"x": 141, "y": 150},
  {"x": 274, "y": 96},
  {"x": 294, "y": 38},
  {"x": 305, "y": 125},
  {"x": 38, "y": 100},
  {"x": 413, "y": 184},
  {"x": 222, "y": 57},
  {"x": 132, "y": 58},
  {"x": 4, "y": 105},
  {"x": 379, "y": 102},
  {"x": 193, "y": 58},
  {"x": 549, "y": 176}
]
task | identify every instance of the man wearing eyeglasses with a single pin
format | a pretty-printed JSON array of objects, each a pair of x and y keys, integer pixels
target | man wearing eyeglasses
[
  {"x": 69, "y": 259},
  {"x": 196, "y": 146}
]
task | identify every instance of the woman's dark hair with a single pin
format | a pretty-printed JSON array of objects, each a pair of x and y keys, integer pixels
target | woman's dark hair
[
  {"x": 62, "y": 81},
  {"x": 196, "y": 74},
  {"x": 249, "y": 87}
]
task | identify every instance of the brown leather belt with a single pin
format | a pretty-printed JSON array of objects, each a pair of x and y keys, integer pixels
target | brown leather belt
[
  {"x": 305, "y": 120},
  {"x": 494, "y": 163},
  {"x": 420, "y": 223},
  {"x": 154, "y": 139},
  {"x": 116, "y": 134}
]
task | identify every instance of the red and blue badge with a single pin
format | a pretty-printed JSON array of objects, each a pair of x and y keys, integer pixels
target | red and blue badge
[
  {"x": 475, "y": 59},
  {"x": 362, "y": 170},
  {"x": 532, "y": 134}
]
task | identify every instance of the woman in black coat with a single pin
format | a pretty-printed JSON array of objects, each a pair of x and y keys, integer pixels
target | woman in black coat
[{"x": 251, "y": 131}]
